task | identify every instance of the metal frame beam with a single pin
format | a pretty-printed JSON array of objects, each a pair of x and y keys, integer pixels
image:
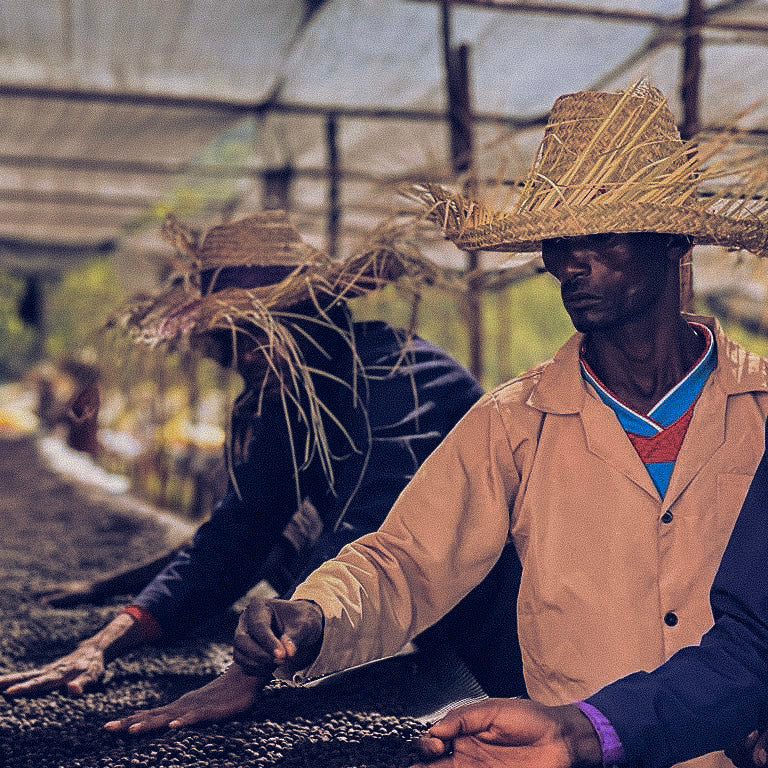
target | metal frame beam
[{"x": 244, "y": 109}]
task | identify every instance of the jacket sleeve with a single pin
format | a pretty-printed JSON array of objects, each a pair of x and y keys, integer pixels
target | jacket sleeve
[
  {"x": 441, "y": 538},
  {"x": 709, "y": 696},
  {"x": 229, "y": 550}
]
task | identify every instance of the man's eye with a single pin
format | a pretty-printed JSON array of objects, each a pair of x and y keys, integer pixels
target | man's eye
[{"x": 606, "y": 238}]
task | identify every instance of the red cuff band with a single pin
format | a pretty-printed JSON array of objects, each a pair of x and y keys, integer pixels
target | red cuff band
[{"x": 148, "y": 626}]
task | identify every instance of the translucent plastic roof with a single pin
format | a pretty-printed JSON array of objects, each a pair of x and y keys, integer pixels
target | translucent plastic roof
[{"x": 113, "y": 112}]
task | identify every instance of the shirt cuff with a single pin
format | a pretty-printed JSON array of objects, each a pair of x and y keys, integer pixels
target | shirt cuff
[
  {"x": 148, "y": 626},
  {"x": 610, "y": 743}
]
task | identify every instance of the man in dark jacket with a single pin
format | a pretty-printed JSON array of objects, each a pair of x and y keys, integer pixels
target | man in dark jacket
[{"x": 335, "y": 417}]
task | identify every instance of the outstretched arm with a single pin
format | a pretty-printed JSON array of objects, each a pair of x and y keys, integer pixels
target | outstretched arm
[
  {"x": 128, "y": 581},
  {"x": 81, "y": 668},
  {"x": 271, "y": 633}
]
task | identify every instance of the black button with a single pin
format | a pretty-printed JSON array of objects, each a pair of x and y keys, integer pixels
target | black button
[
  {"x": 670, "y": 619},
  {"x": 667, "y": 517}
]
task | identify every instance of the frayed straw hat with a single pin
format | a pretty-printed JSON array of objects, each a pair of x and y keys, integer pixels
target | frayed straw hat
[
  {"x": 250, "y": 269},
  {"x": 614, "y": 162},
  {"x": 255, "y": 276}
]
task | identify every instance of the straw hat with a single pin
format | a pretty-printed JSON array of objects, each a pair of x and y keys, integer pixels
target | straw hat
[
  {"x": 250, "y": 269},
  {"x": 612, "y": 162}
]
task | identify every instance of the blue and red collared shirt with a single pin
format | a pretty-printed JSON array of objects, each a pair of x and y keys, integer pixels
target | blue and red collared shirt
[{"x": 658, "y": 436}]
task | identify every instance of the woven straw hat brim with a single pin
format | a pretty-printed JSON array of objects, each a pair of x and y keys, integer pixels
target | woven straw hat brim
[
  {"x": 181, "y": 311},
  {"x": 389, "y": 254},
  {"x": 523, "y": 232},
  {"x": 176, "y": 312},
  {"x": 223, "y": 309}
]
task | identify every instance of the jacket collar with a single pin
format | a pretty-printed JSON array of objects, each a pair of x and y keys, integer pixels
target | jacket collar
[
  {"x": 562, "y": 390},
  {"x": 738, "y": 371}
]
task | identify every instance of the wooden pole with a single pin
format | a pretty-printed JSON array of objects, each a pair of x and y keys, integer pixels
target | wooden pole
[
  {"x": 691, "y": 78},
  {"x": 456, "y": 61},
  {"x": 278, "y": 186},
  {"x": 690, "y": 96},
  {"x": 334, "y": 211}
]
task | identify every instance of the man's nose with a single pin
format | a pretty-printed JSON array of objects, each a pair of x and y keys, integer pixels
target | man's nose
[{"x": 577, "y": 262}]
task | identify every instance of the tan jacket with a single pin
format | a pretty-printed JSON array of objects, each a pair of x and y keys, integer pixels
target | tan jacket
[{"x": 543, "y": 460}]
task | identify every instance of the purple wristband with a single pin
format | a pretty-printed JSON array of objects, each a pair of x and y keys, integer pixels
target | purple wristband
[{"x": 610, "y": 743}]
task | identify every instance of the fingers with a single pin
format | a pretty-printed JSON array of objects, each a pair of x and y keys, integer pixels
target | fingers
[
  {"x": 13, "y": 683},
  {"x": 430, "y": 746},
  {"x": 80, "y": 683},
  {"x": 448, "y": 728},
  {"x": 175, "y": 715},
  {"x": 73, "y": 672},
  {"x": 16, "y": 677},
  {"x": 741, "y": 753},
  {"x": 278, "y": 633},
  {"x": 760, "y": 750},
  {"x": 146, "y": 720},
  {"x": 252, "y": 657},
  {"x": 468, "y": 719},
  {"x": 300, "y": 623},
  {"x": 39, "y": 682},
  {"x": 256, "y": 646}
]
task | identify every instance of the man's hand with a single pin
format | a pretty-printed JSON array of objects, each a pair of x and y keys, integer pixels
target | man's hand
[
  {"x": 511, "y": 732},
  {"x": 228, "y": 695},
  {"x": 81, "y": 668},
  {"x": 275, "y": 633},
  {"x": 73, "y": 672},
  {"x": 751, "y": 752}
]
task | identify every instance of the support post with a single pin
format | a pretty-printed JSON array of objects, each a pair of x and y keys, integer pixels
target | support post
[
  {"x": 278, "y": 187},
  {"x": 334, "y": 212},
  {"x": 690, "y": 96},
  {"x": 457, "y": 80}
]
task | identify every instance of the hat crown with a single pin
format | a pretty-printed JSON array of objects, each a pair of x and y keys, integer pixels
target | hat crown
[
  {"x": 597, "y": 141},
  {"x": 266, "y": 238}
]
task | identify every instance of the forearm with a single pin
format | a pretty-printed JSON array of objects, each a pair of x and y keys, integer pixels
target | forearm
[
  {"x": 202, "y": 581},
  {"x": 118, "y": 637},
  {"x": 132, "y": 580}
]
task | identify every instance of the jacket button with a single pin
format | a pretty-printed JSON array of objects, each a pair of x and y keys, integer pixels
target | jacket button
[
  {"x": 667, "y": 517},
  {"x": 670, "y": 618}
]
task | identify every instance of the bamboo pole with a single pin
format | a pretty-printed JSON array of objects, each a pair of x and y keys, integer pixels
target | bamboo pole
[
  {"x": 690, "y": 96},
  {"x": 334, "y": 210},
  {"x": 456, "y": 63}
]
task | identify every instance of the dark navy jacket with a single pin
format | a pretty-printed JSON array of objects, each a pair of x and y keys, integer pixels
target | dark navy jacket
[
  {"x": 410, "y": 408},
  {"x": 709, "y": 696}
]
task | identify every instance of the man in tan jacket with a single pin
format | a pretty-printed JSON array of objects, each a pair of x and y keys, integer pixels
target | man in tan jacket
[{"x": 616, "y": 470}]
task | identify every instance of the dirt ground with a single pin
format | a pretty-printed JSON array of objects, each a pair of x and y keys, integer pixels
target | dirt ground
[{"x": 53, "y": 530}]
